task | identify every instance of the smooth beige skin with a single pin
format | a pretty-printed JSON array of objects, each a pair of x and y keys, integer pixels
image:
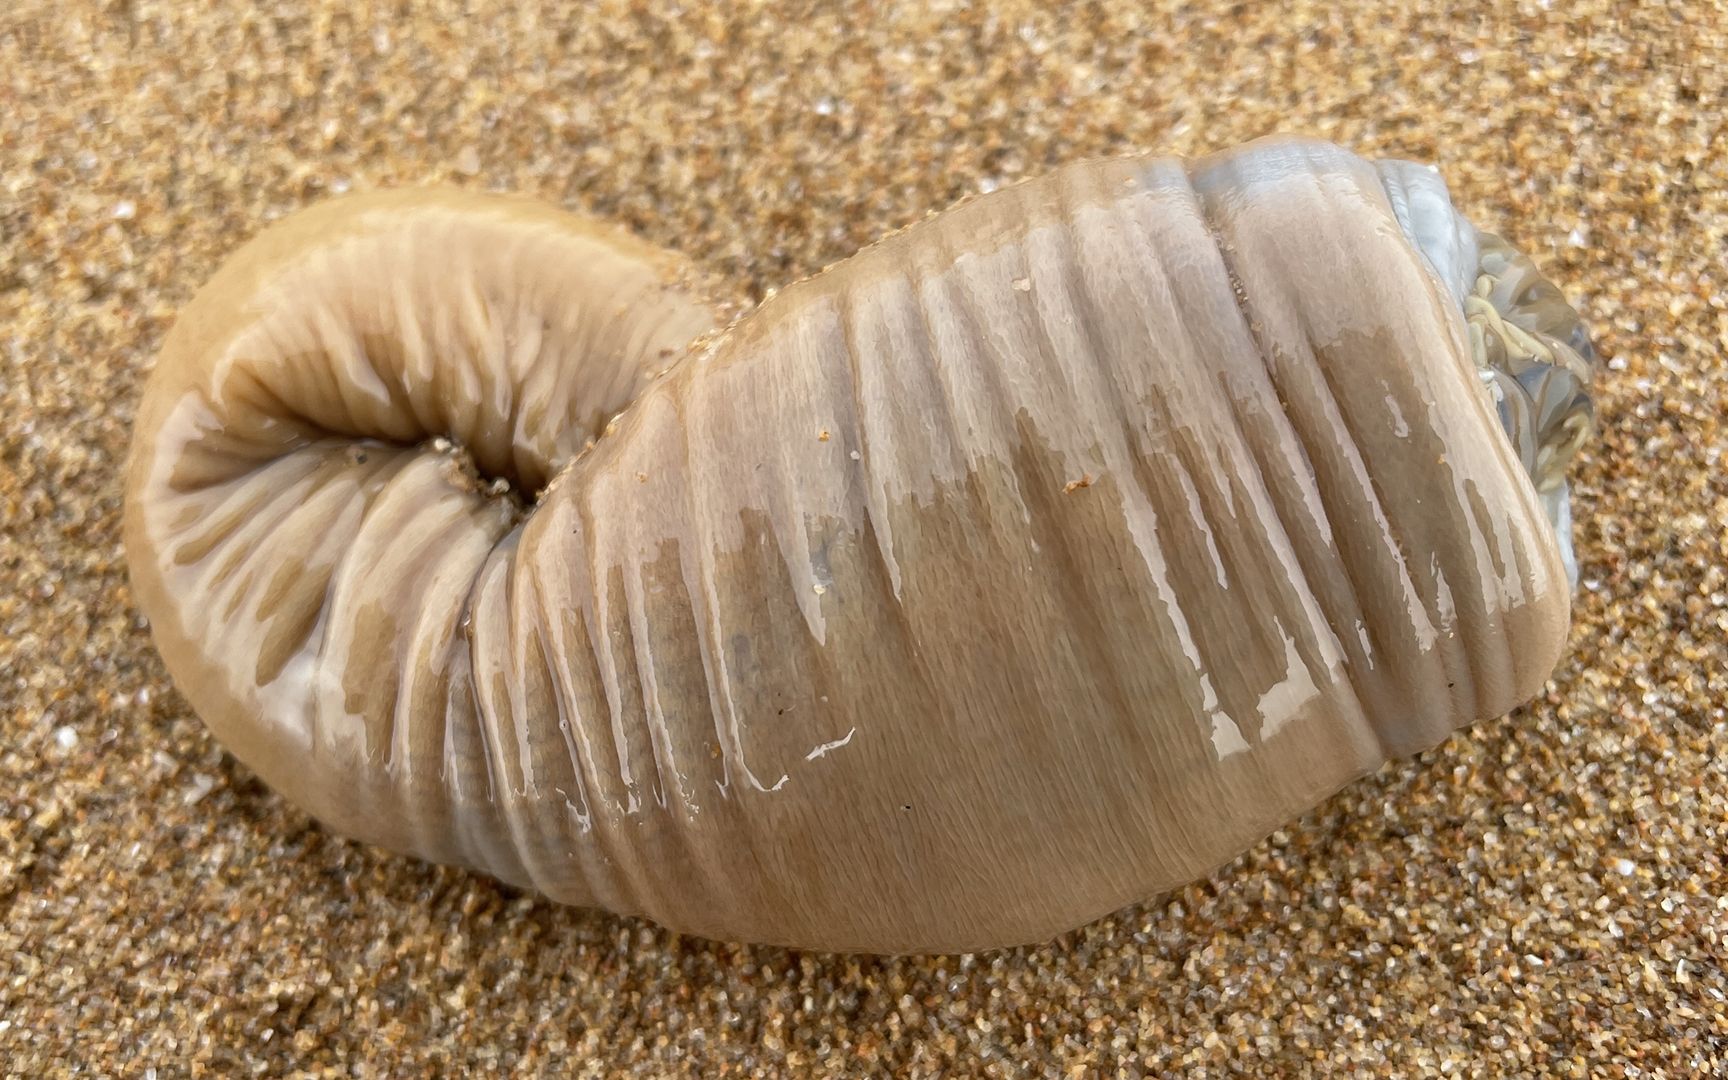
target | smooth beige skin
[{"x": 1037, "y": 559}]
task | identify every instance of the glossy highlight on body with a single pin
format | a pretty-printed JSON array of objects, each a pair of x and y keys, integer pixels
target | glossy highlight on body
[{"x": 1038, "y": 558}]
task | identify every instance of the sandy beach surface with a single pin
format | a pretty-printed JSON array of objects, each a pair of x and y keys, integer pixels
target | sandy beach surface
[{"x": 1543, "y": 895}]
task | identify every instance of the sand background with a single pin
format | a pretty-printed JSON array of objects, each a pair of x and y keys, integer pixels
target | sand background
[{"x": 1545, "y": 894}]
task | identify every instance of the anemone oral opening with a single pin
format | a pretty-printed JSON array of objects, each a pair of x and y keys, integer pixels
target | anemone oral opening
[{"x": 1530, "y": 346}]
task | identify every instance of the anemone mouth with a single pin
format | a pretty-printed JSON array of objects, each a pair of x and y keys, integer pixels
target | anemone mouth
[
  {"x": 1531, "y": 347},
  {"x": 1535, "y": 358}
]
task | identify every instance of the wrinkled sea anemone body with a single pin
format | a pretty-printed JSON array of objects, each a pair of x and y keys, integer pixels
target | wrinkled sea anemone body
[{"x": 1038, "y": 558}]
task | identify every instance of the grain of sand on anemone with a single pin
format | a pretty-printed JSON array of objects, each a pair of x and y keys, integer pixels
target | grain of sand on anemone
[{"x": 1545, "y": 894}]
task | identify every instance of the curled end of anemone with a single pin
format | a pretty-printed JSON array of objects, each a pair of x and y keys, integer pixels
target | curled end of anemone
[{"x": 355, "y": 414}]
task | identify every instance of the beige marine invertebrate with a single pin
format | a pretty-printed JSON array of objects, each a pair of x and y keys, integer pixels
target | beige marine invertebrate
[{"x": 1038, "y": 558}]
